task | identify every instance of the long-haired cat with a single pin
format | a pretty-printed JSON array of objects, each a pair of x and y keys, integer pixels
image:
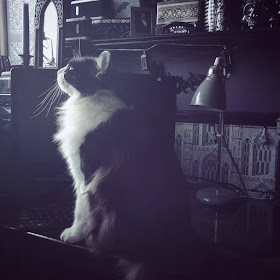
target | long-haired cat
[{"x": 129, "y": 196}]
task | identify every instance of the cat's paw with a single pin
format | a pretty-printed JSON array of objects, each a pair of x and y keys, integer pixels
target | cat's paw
[{"x": 71, "y": 235}]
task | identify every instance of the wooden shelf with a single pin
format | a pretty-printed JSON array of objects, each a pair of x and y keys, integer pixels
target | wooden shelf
[{"x": 203, "y": 39}]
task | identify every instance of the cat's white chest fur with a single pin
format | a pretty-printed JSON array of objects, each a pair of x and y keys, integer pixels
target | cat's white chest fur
[{"x": 78, "y": 117}]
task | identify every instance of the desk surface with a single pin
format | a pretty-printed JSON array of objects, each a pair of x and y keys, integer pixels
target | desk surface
[{"x": 247, "y": 233}]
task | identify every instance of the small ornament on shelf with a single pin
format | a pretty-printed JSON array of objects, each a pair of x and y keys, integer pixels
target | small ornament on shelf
[
  {"x": 178, "y": 28},
  {"x": 145, "y": 62},
  {"x": 260, "y": 14},
  {"x": 222, "y": 15}
]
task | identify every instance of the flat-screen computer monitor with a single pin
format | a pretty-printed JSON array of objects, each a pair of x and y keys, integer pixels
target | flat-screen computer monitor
[{"x": 34, "y": 153}]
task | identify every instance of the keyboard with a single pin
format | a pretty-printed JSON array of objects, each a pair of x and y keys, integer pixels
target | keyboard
[{"x": 50, "y": 218}]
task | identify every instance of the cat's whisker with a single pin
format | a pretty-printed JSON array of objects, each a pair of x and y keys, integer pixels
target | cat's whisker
[
  {"x": 41, "y": 111},
  {"x": 45, "y": 104},
  {"x": 59, "y": 99},
  {"x": 46, "y": 91},
  {"x": 47, "y": 96},
  {"x": 50, "y": 91},
  {"x": 59, "y": 94},
  {"x": 54, "y": 98}
]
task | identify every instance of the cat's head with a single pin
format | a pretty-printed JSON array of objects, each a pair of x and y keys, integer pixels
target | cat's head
[{"x": 81, "y": 76}]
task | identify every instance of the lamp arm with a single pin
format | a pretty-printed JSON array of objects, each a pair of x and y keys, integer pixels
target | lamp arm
[
  {"x": 235, "y": 165},
  {"x": 219, "y": 142},
  {"x": 221, "y": 139}
]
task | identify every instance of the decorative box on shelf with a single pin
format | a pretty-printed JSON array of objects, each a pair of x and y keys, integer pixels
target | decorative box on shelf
[
  {"x": 175, "y": 28},
  {"x": 177, "y": 17},
  {"x": 178, "y": 11},
  {"x": 110, "y": 28},
  {"x": 97, "y": 29}
]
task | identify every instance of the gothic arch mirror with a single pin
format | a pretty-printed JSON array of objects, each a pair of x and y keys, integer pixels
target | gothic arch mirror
[
  {"x": 50, "y": 36},
  {"x": 48, "y": 26}
]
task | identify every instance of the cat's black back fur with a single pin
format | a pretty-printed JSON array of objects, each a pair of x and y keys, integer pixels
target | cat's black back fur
[{"x": 111, "y": 140}]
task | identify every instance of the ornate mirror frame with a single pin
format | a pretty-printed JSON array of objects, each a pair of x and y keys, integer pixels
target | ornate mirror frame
[{"x": 40, "y": 8}]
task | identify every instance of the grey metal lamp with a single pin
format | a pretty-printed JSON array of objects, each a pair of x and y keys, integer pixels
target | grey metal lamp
[
  {"x": 211, "y": 93},
  {"x": 211, "y": 96}
]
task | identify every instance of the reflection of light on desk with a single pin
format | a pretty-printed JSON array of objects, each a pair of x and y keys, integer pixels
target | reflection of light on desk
[{"x": 246, "y": 227}]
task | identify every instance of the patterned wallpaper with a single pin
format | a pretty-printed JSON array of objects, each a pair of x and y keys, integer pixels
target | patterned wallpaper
[
  {"x": 253, "y": 148},
  {"x": 15, "y": 11}
]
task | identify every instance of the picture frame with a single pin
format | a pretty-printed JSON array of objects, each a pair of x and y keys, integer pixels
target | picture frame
[
  {"x": 122, "y": 8},
  {"x": 143, "y": 22}
]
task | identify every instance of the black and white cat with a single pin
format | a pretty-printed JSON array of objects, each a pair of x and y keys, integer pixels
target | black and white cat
[
  {"x": 88, "y": 111},
  {"x": 129, "y": 195}
]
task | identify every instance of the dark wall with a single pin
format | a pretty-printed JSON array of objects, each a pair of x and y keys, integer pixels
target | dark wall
[{"x": 254, "y": 83}]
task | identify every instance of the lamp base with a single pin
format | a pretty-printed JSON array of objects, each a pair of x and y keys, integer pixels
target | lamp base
[{"x": 216, "y": 196}]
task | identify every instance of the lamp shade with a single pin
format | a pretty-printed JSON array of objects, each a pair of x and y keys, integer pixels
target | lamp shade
[{"x": 211, "y": 93}]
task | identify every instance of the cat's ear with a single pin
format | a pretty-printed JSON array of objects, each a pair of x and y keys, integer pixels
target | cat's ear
[{"x": 103, "y": 61}]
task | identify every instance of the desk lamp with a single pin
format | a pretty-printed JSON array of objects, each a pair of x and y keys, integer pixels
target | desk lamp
[{"x": 211, "y": 96}]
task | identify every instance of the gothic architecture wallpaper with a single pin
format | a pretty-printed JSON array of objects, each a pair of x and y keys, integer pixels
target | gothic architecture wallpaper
[{"x": 253, "y": 148}]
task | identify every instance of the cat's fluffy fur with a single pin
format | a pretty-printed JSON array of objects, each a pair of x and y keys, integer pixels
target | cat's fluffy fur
[
  {"x": 81, "y": 114},
  {"x": 128, "y": 192}
]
